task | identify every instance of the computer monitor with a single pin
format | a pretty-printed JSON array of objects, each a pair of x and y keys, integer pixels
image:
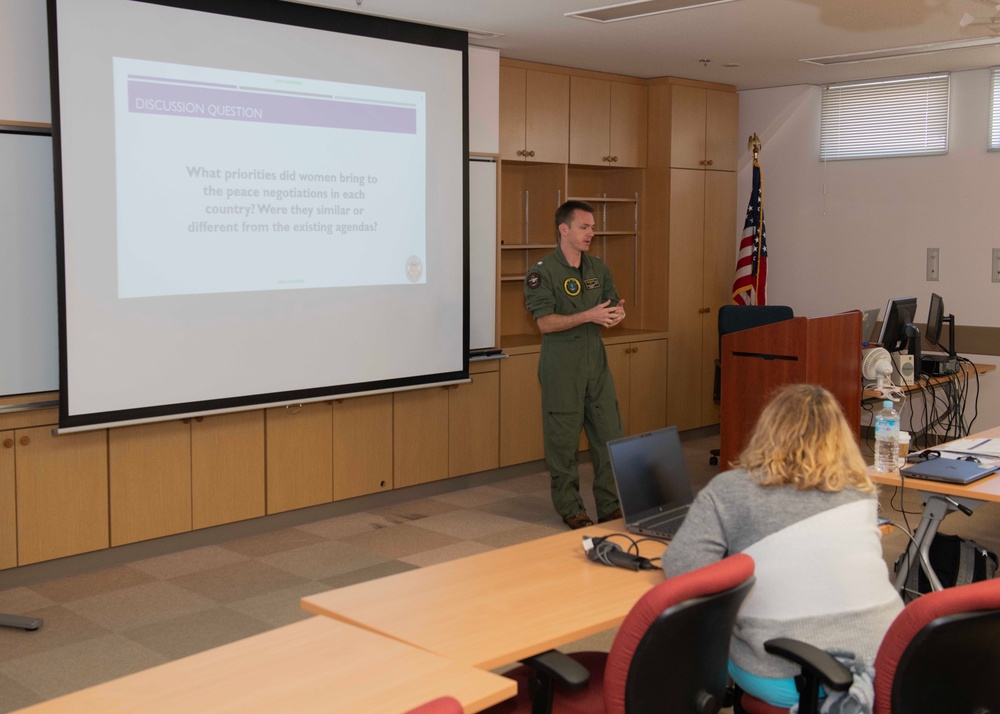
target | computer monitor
[
  {"x": 935, "y": 319},
  {"x": 897, "y": 325}
]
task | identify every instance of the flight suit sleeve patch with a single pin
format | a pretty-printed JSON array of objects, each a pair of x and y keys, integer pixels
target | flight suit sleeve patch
[
  {"x": 592, "y": 283},
  {"x": 533, "y": 280}
]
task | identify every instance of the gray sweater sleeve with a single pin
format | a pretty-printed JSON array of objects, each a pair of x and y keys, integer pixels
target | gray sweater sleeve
[{"x": 700, "y": 541}]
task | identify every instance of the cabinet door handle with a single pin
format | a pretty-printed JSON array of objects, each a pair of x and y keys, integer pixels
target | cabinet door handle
[
  {"x": 709, "y": 162},
  {"x": 25, "y": 440},
  {"x": 530, "y": 153},
  {"x": 606, "y": 158},
  {"x": 703, "y": 162},
  {"x": 614, "y": 159},
  {"x": 8, "y": 443}
]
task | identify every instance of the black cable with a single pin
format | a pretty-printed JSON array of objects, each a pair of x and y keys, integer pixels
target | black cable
[{"x": 601, "y": 549}]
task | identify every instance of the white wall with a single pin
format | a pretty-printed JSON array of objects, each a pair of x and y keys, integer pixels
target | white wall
[
  {"x": 845, "y": 235},
  {"x": 24, "y": 62}
]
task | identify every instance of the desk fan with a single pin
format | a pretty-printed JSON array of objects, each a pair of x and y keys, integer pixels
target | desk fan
[{"x": 876, "y": 366}]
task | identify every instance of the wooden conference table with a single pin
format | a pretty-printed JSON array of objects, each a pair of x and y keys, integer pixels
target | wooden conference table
[
  {"x": 497, "y": 607},
  {"x": 940, "y": 499},
  {"x": 316, "y": 665}
]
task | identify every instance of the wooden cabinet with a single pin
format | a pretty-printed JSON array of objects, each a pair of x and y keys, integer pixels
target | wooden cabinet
[
  {"x": 520, "y": 410},
  {"x": 362, "y": 446},
  {"x": 607, "y": 122},
  {"x": 442, "y": 432},
  {"x": 299, "y": 456},
  {"x": 534, "y": 115},
  {"x": 696, "y": 201},
  {"x": 62, "y": 493},
  {"x": 8, "y": 502},
  {"x": 640, "y": 373},
  {"x": 703, "y": 130},
  {"x": 474, "y": 421},
  {"x": 420, "y": 436},
  {"x": 149, "y": 479},
  {"x": 227, "y": 468},
  {"x": 702, "y": 260}
]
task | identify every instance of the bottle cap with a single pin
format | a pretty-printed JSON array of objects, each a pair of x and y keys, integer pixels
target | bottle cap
[{"x": 886, "y": 404}]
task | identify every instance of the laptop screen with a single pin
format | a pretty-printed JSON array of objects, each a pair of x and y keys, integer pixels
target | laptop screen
[{"x": 650, "y": 473}]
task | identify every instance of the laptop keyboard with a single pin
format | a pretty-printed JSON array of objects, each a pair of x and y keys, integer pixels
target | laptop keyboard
[{"x": 667, "y": 527}]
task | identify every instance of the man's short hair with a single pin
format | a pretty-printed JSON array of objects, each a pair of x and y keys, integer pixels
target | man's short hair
[{"x": 564, "y": 214}]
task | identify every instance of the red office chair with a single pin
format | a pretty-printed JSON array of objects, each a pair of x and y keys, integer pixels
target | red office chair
[
  {"x": 441, "y": 705},
  {"x": 669, "y": 655},
  {"x": 940, "y": 655}
]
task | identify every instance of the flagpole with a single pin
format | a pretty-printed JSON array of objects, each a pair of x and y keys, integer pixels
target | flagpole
[
  {"x": 749, "y": 285},
  {"x": 753, "y": 144}
]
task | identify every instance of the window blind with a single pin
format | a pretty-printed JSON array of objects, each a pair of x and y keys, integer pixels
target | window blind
[
  {"x": 890, "y": 117},
  {"x": 995, "y": 110}
]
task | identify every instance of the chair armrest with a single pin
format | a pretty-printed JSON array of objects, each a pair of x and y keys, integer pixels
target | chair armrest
[
  {"x": 560, "y": 667},
  {"x": 830, "y": 671}
]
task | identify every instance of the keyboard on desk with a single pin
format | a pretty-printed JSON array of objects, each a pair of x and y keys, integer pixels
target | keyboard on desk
[{"x": 665, "y": 526}]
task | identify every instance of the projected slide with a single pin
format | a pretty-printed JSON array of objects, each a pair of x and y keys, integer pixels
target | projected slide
[{"x": 232, "y": 181}]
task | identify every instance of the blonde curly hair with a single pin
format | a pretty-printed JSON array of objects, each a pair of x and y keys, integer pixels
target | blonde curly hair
[{"x": 802, "y": 440}]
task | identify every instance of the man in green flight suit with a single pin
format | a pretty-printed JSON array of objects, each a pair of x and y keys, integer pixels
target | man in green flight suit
[{"x": 572, "y": 297}]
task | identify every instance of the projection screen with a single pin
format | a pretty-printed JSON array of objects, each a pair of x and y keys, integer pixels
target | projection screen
[{"x": 257, "y": 203}]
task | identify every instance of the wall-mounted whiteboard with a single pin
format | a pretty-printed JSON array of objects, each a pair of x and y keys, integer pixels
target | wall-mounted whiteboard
[
  {"x": 482, "y": 252},
  {"x": 29, "y": 344}
]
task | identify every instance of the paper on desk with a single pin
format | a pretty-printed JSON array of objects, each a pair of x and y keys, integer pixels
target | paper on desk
[{"x": 976, "y": 447}]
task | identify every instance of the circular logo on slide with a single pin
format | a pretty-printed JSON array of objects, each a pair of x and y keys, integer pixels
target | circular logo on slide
[
  {"x": 414, "y": 268},
  {"x": 572, "y": 287}
]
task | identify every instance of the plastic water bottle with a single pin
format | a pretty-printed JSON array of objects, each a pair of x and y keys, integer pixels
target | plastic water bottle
[{"x": 886, "y": 438}]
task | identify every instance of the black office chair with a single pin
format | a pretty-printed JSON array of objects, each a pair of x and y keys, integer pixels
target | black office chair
[{"x": 734, "y": 318}]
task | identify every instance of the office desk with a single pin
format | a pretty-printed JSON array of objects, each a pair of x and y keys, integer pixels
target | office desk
[
  {"x": 495, "y": 608},
  {"x": 947, "y": 389},
  {"x": 316, "y": 665},
  {"x": 940, "y": 499},
  {"x": 968, "y": 371}
]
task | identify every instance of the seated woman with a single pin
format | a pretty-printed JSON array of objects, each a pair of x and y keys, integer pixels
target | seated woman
[{"x": 801, "y": 504}]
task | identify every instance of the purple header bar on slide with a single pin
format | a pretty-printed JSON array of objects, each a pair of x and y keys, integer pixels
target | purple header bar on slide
[{"x": 207, "y": 103}]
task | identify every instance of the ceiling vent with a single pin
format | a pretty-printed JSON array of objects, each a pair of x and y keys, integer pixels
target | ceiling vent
[
  {"x": 639, "y": 8},
  {"x": 897, "y": 52}
]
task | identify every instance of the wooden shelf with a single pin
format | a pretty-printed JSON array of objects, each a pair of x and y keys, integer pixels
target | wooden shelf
[
  {"x": 529, "y": 246},
  {"x": 604, "y": 199},
  {"x": 511, "y": 278},
  {"x": 617, "y": 233}
]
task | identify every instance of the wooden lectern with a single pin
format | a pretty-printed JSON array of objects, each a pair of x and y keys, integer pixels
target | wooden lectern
[{"x": 756, "y": 362}]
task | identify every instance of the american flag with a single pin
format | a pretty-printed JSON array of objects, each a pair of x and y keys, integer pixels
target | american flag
[{"x": 749, "y": 287}]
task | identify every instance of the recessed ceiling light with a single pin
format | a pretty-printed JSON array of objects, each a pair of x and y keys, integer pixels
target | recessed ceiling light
[
  {"x": 896, "y": 52},
  {"x": 639, "y": 8}
]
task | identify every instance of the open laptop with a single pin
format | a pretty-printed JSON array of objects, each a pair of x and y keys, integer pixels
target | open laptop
[
  {"x": 652, "y": 480},
  {"x": 957, "y": 471}
]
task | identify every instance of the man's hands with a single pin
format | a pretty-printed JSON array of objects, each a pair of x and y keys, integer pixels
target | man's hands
[{"x": 606, "y": 314}]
